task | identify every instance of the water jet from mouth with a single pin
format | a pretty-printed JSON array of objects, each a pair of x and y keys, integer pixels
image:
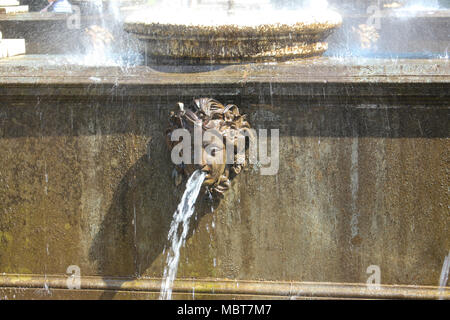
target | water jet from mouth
[{"x": 179, "y": 223}]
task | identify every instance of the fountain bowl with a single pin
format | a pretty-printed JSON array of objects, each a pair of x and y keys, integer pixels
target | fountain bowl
[{"x": 215, "y": 38}]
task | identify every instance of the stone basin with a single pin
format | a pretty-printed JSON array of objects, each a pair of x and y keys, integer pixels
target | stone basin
[{"x": 207, "y": 37}]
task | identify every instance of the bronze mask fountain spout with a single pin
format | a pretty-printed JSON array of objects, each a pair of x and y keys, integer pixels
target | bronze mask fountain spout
[{"x": 228, "y": 127}]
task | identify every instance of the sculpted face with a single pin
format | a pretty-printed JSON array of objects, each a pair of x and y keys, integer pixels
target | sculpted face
[{"x": 221, "y": 127}]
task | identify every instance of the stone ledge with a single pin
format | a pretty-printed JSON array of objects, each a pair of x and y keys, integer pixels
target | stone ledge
[
  {"x": 409, "y": 81},
  {"x": 212, "y": 287},
  {"x": 63, "y": 69}
]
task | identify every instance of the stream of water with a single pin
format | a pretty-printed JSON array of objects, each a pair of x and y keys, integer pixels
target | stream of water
[{"x": 178, "y": 231}]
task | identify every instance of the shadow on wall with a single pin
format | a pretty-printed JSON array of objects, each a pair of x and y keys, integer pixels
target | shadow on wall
[{"x": 133, "y": 235}]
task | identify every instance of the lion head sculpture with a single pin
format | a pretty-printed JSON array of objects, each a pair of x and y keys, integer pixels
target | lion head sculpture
[{"x": 226, "y": 128}]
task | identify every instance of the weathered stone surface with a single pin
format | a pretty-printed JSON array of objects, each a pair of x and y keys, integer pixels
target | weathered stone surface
[{"x": 85, "y": 176}]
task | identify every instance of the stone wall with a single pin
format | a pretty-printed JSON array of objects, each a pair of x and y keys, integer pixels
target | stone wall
[{"x": 85, "y": 179}]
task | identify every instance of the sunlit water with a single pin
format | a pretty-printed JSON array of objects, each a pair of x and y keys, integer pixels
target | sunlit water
[
  {"x": 244, "y": 15},
  {"x": 178, "y": 231},
  {"x": 102, "y": 44}
]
